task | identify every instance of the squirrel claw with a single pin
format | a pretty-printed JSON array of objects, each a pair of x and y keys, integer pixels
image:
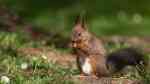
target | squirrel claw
[
  {"x": 81, "y": 76},
  {"x": 94, "y": 77}
]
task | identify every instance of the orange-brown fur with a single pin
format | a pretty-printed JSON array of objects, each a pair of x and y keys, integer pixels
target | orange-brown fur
[{"x": 85, "y": 46}]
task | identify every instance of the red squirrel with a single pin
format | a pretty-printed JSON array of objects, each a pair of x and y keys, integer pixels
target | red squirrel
[
  {"x": 89, "y": 50},
  {"x": 92, "y": 59}
]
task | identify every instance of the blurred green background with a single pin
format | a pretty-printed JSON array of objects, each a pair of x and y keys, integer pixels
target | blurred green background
[{"x": 104, "y": 17}]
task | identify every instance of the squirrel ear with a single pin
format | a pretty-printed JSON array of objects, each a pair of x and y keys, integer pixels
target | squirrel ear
[{"x": 80, "y": 21}]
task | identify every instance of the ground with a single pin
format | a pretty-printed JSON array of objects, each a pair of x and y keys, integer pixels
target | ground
[{"x": 29, "y": 62}]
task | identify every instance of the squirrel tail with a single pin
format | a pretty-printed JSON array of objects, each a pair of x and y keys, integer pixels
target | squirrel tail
[{"x": 118, "y": 60}]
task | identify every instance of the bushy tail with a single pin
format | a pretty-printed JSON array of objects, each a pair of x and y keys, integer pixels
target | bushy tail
[{"x": 118, "y": 60}]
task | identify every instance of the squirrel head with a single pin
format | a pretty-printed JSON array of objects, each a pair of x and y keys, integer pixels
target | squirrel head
[{"x": 80, "y": 34}]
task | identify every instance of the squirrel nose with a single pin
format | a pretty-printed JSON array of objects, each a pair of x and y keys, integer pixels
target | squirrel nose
[{"x": 73, "y": 44}]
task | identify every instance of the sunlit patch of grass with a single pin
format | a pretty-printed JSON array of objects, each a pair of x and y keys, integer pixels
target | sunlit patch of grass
[{"x": 38, "y": 71}]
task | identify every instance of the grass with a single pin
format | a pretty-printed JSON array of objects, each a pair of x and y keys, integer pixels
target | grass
[{"x": 38, "y": 70}]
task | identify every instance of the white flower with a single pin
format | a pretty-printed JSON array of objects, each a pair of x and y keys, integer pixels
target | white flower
[
  {"x": 24, "y": 66},
  {"x": 5, "y": 80},
  {"x": 44, "y": 56}
]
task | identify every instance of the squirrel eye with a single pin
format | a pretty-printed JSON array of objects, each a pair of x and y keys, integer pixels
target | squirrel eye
[
  {"x": 79, "y": 34},
  {"x": 73, "y": 41}
]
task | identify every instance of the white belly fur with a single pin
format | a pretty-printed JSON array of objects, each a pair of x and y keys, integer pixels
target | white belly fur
[{"x": 86, "y": 67}]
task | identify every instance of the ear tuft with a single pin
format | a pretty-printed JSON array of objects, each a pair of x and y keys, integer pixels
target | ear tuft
[{"x": 80, "y": 20}]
